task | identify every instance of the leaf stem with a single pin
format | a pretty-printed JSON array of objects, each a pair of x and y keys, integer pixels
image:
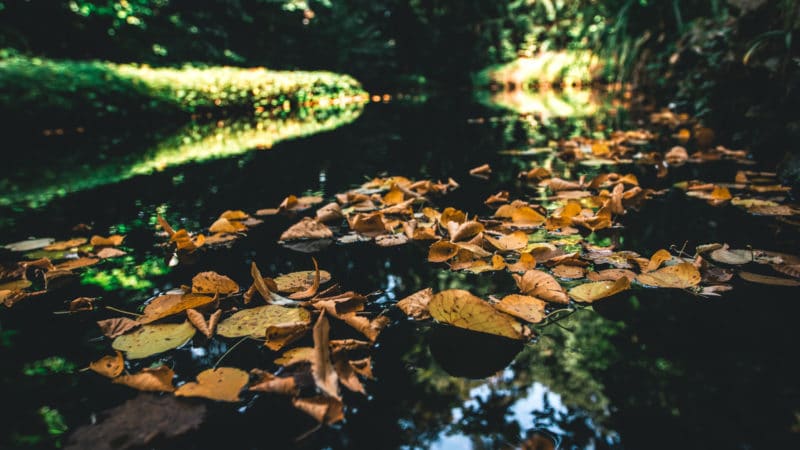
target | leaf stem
[
  {"x": 123, "y": 311},
  {"x": 229, "y": 350}
]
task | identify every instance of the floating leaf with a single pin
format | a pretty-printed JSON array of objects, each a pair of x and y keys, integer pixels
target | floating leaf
[
  {"x": 72, "y": 264},
  {"x": 295, "y": 356},
  {"x": 158, "y": 379},
  {"x": 347, "y": 375},
  {"x": 267, "y": 382},
  {"x": 221, "y": 384},
  {"x": 656, "y": 260},
  {"x": 590, "y": 292},
  {"x": 171, "y": 304},
  {"x": 482, "y": 170},
  {"x": 31, "y": 244},
  {"x": 525, "y": 263},
  {"x": 117, "y": 326},
  {"x": 114, "y": 240},
  {"x": 734, "y": 257},
  {"x": 611, "y": 274},
  {"x": 278, "y": 336},
  {"x": 65, "y": 245},
  {"x": 680, "y": 276},
  {"x": 254, "y": 321},
  {"x": 110, "y": 252},
  {"x": 463, "y": 310},
  {"x": 109, "y": 366},
  {"x": 153, "y": 339},
  {"x": 525, "y": 307},
  {"x": 513, "y": 241},
  {"x": 199, "y": 322},
  {"x": 568, "y": 272},
  {"x": 541, "y": 285},
  {"x": 307, "y": 228},
  {"x": 416, "y": 304},
  {"x": 442, "y": 251},
  {"x": 213, "y": 283},
  {"x": 310, "y": 291}
]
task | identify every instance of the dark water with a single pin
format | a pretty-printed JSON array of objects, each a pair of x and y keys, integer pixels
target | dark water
[{"x": 653, "y": 369}]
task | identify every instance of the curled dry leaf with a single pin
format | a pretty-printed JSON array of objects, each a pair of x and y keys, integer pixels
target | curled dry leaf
[
  {"x": 307, "y": 228},
  {"x": 299, "y": 281},
  {"x": 114, "y": 240},
  {"x": 117, "y": 326},
  {"x": 158, "y": 379},
  {"x": 463, "y": 310},
  {"x": 172, "y": 304},
  {"x": 416, "y": 304},
  {"x": 363, "y": 367},
  {"x": 321, "y": 365},
  {"x": 325, "y": 410},
  {"x": 442, "y": 251},
  {"x": 348, "y": 345},
  {"x": 542, "y": 285},
  {"x": 464, "y": 231},
  {"x": 254, "y": 321},
  {"x": 525, "y": 263},
  {"x": 150, "y": 340},
  {"x": 525, "y": 307},
  {"x": 199, "y": 322},
  {"x": 680, "y": 276},
  {"x": 213, "y": 283},
  {"x": 658, "y": 258},
  {"x": 311, "y": 290},
  {"x": 267, "y": 382},
  {"x": 500, "y": 197},
  {"x": 369, "y": 328},
  {"x": 221, "y": 384},
  {"x": 590, "y": 292},
  {"x": 109, "y": 366},
  {"x": 481, "y": 170}
]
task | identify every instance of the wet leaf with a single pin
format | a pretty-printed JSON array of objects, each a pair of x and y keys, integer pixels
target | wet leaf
[
  {"x": 525, "y": 307},
  {"x": 514, "y": 241},
  {"x": 117, "y": 326},
  {"x": 307, "y": 228},
  {"x": 110, "y": 252},
  {"x": 331, "y": 212},
  {"x": 541, "y": 285},
  {"x": 65, "y": 245},
  {"x": 203, "y": 326},
  {"x": 442, "y": 251},
  {"x": 73, "y": 264},
  {"x": 321, "y": 365},
  {"x": 326, "y": 410},
  {"x": 483, "y": 170},
  {"x": 299, "y": 281},
  {"x": 254, "y": 321},
  {"x": 463, "y": 310},
  {"x": 222, "y": 384},
  {"x": 591, "y": 292},
  {"x": 153, "y": 339},
  {"x": 158, "y": 379},
  {"x": 223, "y": 225},
  {"x": 172, "y": 304},
  {"x": 295, "y": 355},
  {"x": 267, "y": 382},
  {"x": 109, "y": 366},
  {"x": 680, "y": 276},
  {"x": 310, "y": 291},
  {"x": 213, "y": 283},
  {"x": 82, "y": 304},
  {"x": 416, "y": 304},
  {"x": 115, "y": 240},
  {"x": 391, "y": 240}
]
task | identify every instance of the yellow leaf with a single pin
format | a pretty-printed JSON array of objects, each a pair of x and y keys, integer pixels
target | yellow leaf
[
  {"x": 681, "y": 276},
  {"x": 541, "y": 285},
  {"x": 158, "y": 379},
  {"x": 222, "y": 384},
  {"x": 171, "y": 304},
  {"x": 254, "y": 321},
  {"x": 462, "y": 309},
  {"x": 213, "y": 283},
  {"x": 590, "y": 292},
  {"x": 525, "y": 307},
  {"x": 153, "y": 339}
]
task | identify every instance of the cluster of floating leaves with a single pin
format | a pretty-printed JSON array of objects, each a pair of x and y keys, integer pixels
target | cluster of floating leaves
[{"x": 540, "y": 244}]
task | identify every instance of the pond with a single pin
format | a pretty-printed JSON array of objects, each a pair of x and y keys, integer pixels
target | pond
[{"x": 647, "y": 368}]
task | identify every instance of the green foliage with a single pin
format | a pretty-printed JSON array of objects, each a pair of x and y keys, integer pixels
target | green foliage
[{"x": 48, "y": 366}]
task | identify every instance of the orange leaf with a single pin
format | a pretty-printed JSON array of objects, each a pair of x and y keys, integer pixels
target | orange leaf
[
  {"x": 327, "y": 410},
  {"x": 109, "y": 366},
  {"x": 213, "y": 283},
  {"x": 222, "y": 384},
  {"x": 525, "y": 307},
  {"x": 321, "y": 366},
  {"x": 541, "y": 285},
  {"x": 199, "y": 322},
  {"x": 416, "y": 304},
  {"x": 157, "y": 379}
]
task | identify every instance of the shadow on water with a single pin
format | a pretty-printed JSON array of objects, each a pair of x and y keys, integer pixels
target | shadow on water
[{"x": 652, "y": 369}]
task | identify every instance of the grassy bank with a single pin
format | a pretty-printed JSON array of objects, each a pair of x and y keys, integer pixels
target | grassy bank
[{"x": 38, "y": 93}]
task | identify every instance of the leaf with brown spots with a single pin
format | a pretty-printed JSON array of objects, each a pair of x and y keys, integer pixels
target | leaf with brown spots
[
  {"x": 213, "y": 283},
  {"x": 307, "y": 228},
  {"x": 109, "y": 366},
  {"x": 203, "y": 326},
  {"x": 278, "y": 336},
  {"x": 442, "y": 251},
  {"x": 463, "y": 310},
  {"x": 171, "y": 304},
  {"x": 590, "y": 292},
  {"x": 514, "y": 241},
  {"x": 542, "y": 285},
  {"x": 525, "y": 263},
  {"x": 65, "y": 245},
  {"x": 525, "y": 307},
  {"x": 679, "y": 276},
  {"x": 311, "y": 290}
]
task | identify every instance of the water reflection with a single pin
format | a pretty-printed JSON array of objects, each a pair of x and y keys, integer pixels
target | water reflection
[{"x": 85, "y": 168}]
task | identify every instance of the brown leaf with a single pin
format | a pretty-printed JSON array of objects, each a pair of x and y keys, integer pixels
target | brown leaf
[
  {"x": 525, "y": 263},
  {"x": 500, "y": 197},
  {"x": 767, "y": 279},
  {"x": 680, "y": 276},
  {"x": 542, "y": 285},
  {"x": 514, "y": 241},
  {"x": 199, "y": 322},
  {"x": 568, "y": 272},
  {"x": 363, "y": 367},
  {"x": 268, "y": 382},
  {"x": 158, "y": 379},
  {"x": 348, "y": 345},
  {"x": 72, "y": 264},
  {"x": 326, "y": 410},
  {"x": 82, "y": 304},
  {"x": 277, "y": 336},
  {"x": 165, "y": 225},
  {"x": 65, "y": 245},
  {"x": 110, "y": 252},
  {"x": 223, "y": 225},
  {"x": 295, "y": 355},
  {"x": 109, "y": 366},
  {"x": 311, "y": 290},
  {"x": 464, "y": 231},
  {"x": 442, "y": 251},
  {"x": 213, "y": 283},
  {"x": 172, "y": 304},
  {"x": 482, "y": 171},
  {"x": 416, "y": 304},
  {"x": 307, "y": 228},
  {"x": 117, "y": 326},
  {"x": 347, "y": 376},
  {"x": 114, "y": 240},
  {"x": 590, "y": 292},
  {"x": 321, "y": 366},
  {"x": 611, "y": 275},
  {"x": 221, "y": 384},
  {"x": 371, "y": 224},
  {"x": 330, "y": 213},
  {"x": 656, "y": 260}
]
